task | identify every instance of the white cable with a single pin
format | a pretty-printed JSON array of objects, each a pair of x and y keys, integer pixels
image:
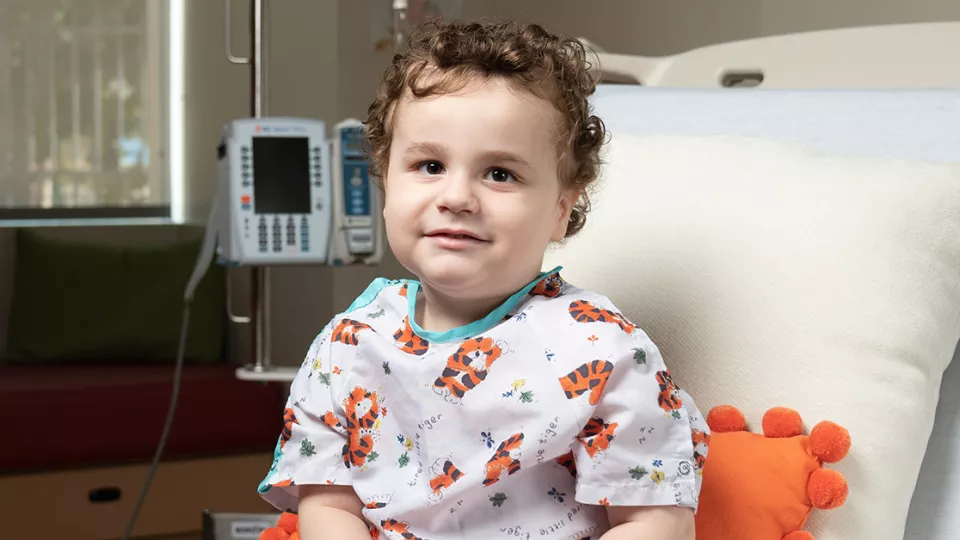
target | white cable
[
  {"x": 206, "y": 251},
  {"x": 200, "y": 270}
]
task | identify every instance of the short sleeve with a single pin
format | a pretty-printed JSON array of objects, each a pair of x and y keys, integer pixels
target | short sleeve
[
  {"x": 644, "y": 442},
  {"x": 309, "y": 449}
]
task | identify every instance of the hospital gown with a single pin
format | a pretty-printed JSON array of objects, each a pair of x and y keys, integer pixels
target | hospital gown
[{"x": 525, "y": 423}]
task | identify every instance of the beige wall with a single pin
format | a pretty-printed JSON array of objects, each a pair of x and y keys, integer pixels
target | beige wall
[{"x": 322, "y": 65}]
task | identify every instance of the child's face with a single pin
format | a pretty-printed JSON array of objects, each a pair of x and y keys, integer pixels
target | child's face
[{"x": 472, "y": 193}]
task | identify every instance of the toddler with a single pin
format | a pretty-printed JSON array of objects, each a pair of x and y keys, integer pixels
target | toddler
[{"x": 487, "y": 398}]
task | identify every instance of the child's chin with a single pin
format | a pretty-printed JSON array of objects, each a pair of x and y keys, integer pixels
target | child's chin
[{"x": 454, "y": 279}]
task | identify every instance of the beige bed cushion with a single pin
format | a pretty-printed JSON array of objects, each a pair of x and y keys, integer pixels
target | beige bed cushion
[{"x": 771, "y": 275}]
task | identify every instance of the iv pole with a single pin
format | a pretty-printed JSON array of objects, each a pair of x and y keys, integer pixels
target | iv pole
[{"x": 260, "y": 275}]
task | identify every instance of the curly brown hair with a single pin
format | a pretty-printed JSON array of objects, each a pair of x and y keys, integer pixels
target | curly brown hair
[{"x": 443, "y": 57}]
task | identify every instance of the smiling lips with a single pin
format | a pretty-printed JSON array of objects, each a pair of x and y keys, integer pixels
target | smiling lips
[{"x": 455, "y": 238}]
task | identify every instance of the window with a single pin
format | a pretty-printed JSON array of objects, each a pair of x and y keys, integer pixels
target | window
[{"x": 84, "y": 109}]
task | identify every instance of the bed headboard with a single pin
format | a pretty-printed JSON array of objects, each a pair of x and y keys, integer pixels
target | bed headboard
[{"x": 922, "y": 55}]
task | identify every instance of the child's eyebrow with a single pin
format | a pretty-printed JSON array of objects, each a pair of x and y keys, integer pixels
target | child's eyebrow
[
  {"x": 499, "y": 156},
  {"x": 430, "y": 148}
]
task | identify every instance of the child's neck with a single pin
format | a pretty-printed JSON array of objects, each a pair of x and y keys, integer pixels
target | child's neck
[{"x": 437, "y": 312}]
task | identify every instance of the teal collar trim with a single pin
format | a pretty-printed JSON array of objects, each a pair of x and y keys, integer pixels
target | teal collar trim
[{"x": 476, "y": 327}]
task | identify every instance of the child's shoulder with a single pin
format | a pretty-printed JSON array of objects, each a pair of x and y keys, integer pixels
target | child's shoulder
[
  {"x": 382, "y": 305},
  {"x": 583, "y": 320},
  {"x": 378, "y": 290},
  {"x": 555, "y": 294}
]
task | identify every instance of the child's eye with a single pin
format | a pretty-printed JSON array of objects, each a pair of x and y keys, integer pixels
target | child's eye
[
  {"x": 430, "y": 168},
  {"x": 501, "y": 175}
]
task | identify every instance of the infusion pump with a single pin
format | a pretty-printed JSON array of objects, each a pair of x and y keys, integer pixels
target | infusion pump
[{"x": 288, "y": 194}]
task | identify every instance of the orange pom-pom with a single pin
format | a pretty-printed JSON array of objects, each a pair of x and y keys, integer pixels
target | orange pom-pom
[
  {"x": 285, "y": 529},
  {"x": 781, "y": 422},
  {"x": 798, "y": 535},
  {"x": 830, "y": 442},
  {"x": 288, "y": 521},
  {"x": 274, "y": 533},
  {"x": 827, "y": 489},
  {"x": 726, "y": 418}
]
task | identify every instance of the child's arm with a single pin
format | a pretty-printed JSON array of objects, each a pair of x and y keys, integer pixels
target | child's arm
[
  {"x": 331, "y": 512},
  {"x": 643, "y": 443},
  {"x": 650, "y": 523}
]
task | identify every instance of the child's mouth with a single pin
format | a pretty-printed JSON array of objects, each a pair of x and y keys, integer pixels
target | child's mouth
[
  {"x": 455, "y": 239},
  {"x": 455, "y": 235}
]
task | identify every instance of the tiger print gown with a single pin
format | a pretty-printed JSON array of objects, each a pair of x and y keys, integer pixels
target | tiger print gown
[{"x": 525, "y": 423}]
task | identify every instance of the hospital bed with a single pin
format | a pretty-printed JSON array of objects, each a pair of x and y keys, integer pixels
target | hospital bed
[{"x": 830, "y": 100}]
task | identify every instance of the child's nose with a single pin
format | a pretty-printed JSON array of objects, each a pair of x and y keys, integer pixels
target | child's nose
[{"x": 457, "y": 194}]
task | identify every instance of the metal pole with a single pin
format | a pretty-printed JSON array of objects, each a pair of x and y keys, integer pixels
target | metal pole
[{"x": 260, "y": 275}]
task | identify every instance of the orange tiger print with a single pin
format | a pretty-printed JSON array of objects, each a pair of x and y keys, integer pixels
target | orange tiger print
[
  {"x": 597, "y": 435},
  {"x": 506, "y": 458},
  {"x": 359, "y": 439},
  {"x": 346, "y": 331},
  {"x": 461, "y": 373},
  {"x": 591, "y": 376},
  {"x": 374, "y": 505},
  {"x": 667, "y": 398},
  {"x": 289, "y": 419},
  {"x": 284, "y": 483},
  {"x": 400, "y": 527},
  {"x": 409, "y": 341},
  {"x": 549, "y": 286},
  {"x": 700, "y": 452},
  {"x": 569, "y": 463},
  {"x": 403, "y": 290},
  {"x": 585, "y": 312},
  {"x": 449, "y": 476},
  {"x": 374, "y": 531}
]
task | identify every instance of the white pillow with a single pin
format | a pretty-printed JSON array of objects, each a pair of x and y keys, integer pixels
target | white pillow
[{"x": 771, "y": 274}]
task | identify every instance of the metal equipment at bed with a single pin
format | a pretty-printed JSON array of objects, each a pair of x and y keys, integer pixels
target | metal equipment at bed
[{"x": 922, "y": 55}]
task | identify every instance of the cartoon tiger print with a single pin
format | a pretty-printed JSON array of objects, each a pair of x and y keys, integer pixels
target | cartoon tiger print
[
  {"x": 701, "y": 445},
  {"x": 668, "y": 398},
  {"x": 549, "y": 286},
  {"x": 591, "y": 376},
  {"x": 346, "y": 331},
  {"x": 466, "y": 368},
  {"x": 358, "y": 429},
  {"x": 566, "y": 461},
  {"x": 289, "y": 419},
  {"x": 398, "y": 527},
  {"x": 446, "y": 477},
  {"x": 597, "y": 435},
  {"x": 408, "y": 341},
  {"x": 585, "y": 312},
  {"x": 284, "y": 483},
  {"x": 403, "y": 289},
  {"x": 506, "y": 458}
]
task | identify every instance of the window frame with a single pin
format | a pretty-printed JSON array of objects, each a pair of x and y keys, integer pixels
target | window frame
[{"x": 165, "y": 26}]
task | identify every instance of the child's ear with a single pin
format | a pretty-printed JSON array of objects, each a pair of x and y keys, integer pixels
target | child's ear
[{"x": 564, "y": 207}]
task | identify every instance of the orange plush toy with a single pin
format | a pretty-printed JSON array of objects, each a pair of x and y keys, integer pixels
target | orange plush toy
[
  {"x": 286, "y": 529},
  {"x": 755, "y": 487},
  {"x": 763, "y": 487}
]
